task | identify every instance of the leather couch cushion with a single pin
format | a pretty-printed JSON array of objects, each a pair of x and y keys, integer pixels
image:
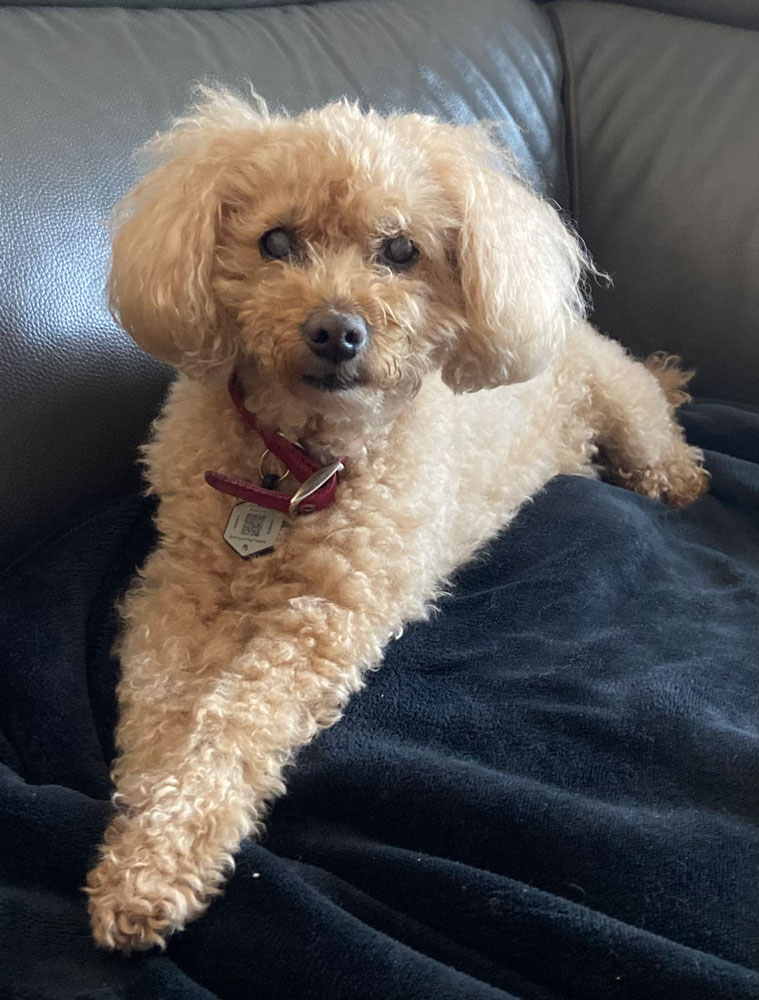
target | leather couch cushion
[
  {"x": 739, "y": 13},
  {"x": 81, "y": 88},
  {"x": 664, "y": 152}
]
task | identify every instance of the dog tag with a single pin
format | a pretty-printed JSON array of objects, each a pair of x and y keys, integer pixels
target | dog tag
[{"x": 252, "y": 530}]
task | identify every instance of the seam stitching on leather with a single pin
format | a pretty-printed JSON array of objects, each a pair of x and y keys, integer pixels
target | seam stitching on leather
[{"x": 571, "y": 154}]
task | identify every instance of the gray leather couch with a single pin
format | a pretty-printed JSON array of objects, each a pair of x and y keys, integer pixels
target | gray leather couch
[{"x": 641, "y": 123}]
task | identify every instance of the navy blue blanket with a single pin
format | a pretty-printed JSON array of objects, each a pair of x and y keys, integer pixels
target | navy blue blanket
[{"x": 548, "y": 791}]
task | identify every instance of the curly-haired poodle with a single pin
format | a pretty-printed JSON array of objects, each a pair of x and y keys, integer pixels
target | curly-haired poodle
[{"x": 382, "y": 353}]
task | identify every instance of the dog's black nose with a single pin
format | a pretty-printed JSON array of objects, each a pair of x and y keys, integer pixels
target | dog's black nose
[{"x": 335, "y": 336}]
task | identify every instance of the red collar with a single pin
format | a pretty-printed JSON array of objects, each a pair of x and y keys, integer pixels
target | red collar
[{"x": 317, "y": 483}]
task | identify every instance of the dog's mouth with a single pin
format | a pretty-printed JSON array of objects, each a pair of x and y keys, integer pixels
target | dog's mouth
[{"x": 333, "y": 381}]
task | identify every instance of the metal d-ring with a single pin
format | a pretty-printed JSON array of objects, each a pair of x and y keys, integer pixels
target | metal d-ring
[{"x": 261, "y": 472}]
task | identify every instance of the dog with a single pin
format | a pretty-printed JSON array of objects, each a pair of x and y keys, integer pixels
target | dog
[{"x": 382, "y": 351}]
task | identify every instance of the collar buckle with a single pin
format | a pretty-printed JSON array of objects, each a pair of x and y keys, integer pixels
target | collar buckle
[{"x": 311, "y": 485}]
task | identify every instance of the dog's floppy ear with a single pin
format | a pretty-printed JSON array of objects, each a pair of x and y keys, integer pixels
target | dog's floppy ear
[
  {"x": 519, "y": 267},
  {"x": 165, "y": 233}
]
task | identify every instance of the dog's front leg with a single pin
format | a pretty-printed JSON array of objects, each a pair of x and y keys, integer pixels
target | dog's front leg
[{"x": 211, "y": 761}]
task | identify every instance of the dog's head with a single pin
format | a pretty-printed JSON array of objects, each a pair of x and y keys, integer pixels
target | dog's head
[{"x": 339, "y": 257}]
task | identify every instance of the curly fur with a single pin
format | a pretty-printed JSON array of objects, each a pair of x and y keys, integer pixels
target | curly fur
[{"x": 229, "y": 666}]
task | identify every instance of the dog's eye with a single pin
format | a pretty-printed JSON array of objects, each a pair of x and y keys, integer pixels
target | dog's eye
[
  {"x": 278, "y": 244},
  {"x": 399, "y": 253}
]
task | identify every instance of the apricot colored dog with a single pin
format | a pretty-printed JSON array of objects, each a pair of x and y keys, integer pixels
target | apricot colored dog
[{"x": 387, "y": 292}]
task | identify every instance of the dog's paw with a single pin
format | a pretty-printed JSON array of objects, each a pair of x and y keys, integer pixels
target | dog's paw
[
  {"x": 677, "y": 482},
  {"x": 133, "y": 908},
  {"x": 678, "y": 485}
]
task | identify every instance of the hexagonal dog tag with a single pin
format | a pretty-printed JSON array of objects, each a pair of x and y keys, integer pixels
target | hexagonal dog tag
[{"x": 253, "y": 530}]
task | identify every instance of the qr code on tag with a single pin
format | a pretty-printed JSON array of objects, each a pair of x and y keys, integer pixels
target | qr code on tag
[
  {"x": 253, "y": 524},
  {"x": 251, "y": 530}
]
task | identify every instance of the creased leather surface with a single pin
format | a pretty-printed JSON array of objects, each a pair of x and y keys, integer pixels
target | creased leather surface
[
  {"x": 663, "y": 116},
  {"x": 80, "y": 89},
  {"x": 738, "y": 13}
]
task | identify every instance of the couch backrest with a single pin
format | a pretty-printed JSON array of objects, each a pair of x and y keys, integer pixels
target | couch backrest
[{"x": 663, "y": 116}]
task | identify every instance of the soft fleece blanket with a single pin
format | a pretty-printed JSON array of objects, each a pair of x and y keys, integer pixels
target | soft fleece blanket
[{"x": 548, "y": 791}]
